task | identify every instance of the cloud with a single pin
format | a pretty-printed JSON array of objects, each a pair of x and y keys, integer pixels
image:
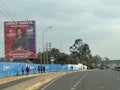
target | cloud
[{"x": 95, "y": 21}]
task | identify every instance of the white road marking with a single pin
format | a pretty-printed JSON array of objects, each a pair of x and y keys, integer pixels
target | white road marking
[
  {"x": 50, "y": 83},
  {"x": 78, "y": 82}
]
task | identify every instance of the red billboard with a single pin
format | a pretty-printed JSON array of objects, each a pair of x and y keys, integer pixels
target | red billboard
[{"x": 20, "y": 39}]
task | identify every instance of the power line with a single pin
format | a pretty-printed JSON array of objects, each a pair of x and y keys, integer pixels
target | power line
[
  {"x": 2, "y": 18},
  {"x": 3, "y": 14},
  {"x": 3, "y": 9},
  {"x": 7, "y": 11}
]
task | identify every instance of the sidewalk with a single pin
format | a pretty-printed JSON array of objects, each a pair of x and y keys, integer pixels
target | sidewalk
[{"x": 33, "y": 83}]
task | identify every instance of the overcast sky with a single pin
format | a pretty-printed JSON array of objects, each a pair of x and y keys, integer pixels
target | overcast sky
[{"x": 96, "y": 22}]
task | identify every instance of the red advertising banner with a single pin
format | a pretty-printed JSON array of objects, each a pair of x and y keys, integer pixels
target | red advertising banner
[{"x": 20, "y": 39}]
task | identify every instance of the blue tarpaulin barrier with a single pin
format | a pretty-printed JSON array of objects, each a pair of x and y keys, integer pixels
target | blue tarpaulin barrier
[{"x": 12, "y": 68}]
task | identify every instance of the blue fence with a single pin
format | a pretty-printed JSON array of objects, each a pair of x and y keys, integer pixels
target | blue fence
[{"x": 11, "y": 68}]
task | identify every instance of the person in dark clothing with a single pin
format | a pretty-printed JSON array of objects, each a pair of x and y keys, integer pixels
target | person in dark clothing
[
  {"x": 44, "y": 69},
  {"x": 71, "y": 67},
  {"x": 38, "y": 69},
  {"x": 27, "y": 70},
  {"x": 41, "y": 69},
  {"x": 22, "y": 69}
]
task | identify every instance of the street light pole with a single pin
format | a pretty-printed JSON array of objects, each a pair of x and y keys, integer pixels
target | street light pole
[
  {"x": 40, "y": 56},
  {"x": 43, "y": 41}
]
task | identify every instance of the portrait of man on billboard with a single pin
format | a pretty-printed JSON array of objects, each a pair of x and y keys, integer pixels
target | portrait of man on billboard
[{"x": 20, "y": 39}]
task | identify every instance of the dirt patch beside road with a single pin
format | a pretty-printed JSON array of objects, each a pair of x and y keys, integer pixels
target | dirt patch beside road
[
  {"x": 46, "y": 79},
  {"x": 12, "y": 78}
]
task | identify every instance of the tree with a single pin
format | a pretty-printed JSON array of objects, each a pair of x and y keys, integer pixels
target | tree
[
  {"x": 39, "y": 57},
  {"x": 80, "y": 51},
  {"x": 105, "y": 63},
  {"x": 60, "y": 58},
  {"x": 94, "y": 61},
  {"x": 107, "y": 60},
  {"x": 63, "y": 59}
]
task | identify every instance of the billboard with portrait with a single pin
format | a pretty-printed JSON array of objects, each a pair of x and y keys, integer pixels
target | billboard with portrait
[{"x": 20, "y": 39}]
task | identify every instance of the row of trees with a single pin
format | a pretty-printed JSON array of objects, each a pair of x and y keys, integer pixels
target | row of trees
[
  {"x": 60, "y": 58},
  {"x": 79, "y": 53}
]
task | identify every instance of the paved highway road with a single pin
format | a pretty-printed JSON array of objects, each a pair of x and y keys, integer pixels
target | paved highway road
[{"x": 89, "y": 80}]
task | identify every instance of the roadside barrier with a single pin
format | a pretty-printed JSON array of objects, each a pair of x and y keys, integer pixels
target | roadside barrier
[{"x": 14, "y": 68}]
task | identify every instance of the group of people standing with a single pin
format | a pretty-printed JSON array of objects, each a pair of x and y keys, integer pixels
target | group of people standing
[
  {"x": 27, "y": 70},
  {"x": 41, "y": 69}
]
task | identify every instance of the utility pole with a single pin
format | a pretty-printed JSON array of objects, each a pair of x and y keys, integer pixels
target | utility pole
[
  {"x": 48, "y": 48},
  {"x": 43, "y": 41}
]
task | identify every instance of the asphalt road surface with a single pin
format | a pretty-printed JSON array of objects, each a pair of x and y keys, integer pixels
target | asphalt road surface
[{"x": 88, "y": 80}]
